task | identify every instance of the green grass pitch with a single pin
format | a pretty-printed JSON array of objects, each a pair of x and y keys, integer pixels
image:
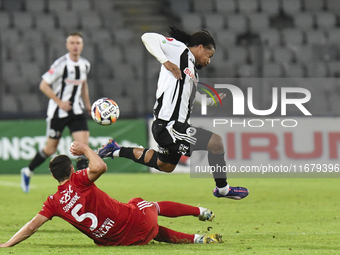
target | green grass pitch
[{"x": 280, "y": 216}]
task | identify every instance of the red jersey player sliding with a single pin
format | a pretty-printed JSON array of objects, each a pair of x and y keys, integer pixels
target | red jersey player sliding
[{"x": 112, "y": 223}]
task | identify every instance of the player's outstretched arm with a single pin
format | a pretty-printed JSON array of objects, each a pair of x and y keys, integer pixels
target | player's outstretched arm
[
  {"x": 96, "y": 165},
  {"x": 26, "y": 231}
]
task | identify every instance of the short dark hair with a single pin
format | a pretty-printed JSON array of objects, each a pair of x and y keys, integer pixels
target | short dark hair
[
  {"x": 75, "y": 34},
  {"x": 200, "y": 37},
  {"x": 60, "y": 167}
]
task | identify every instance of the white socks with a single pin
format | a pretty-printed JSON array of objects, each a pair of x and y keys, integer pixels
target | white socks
[
  {"x": 116, "y": 153},
  {"x": 197, "y": 238},
  {"x": 27, "y": 172},
  {"x": 202, "y": 209},
  {"x": 224, "y": 190}
]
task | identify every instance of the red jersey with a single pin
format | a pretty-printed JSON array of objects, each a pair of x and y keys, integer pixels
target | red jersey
[{"x": 102, "y": 218}]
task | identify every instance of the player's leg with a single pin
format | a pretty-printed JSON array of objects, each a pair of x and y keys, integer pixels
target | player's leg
[
  {"x": 170, "y": 236},
  {"x": 149, "y": 157},
  {"x": 164, "y": 162},
  {"x": 49, "y": 149},
  {"x": 216, "y": 153},
  {"x": 53, "y": 131},
  {"x": 174, "y": 209},
  {"x": 80, "y": 133},
  {"x": 39, "y": 158}
]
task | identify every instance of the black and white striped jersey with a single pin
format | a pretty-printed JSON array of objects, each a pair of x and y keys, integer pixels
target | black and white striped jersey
[
  {"x": 66, "y": 78},
  {"x": 174, "y": 98}
]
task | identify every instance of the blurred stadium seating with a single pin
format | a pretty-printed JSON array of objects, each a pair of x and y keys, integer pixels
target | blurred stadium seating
[{"x": 297, "y": 38}]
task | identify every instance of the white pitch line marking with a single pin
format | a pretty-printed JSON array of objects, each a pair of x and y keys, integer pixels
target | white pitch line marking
[{"x": 14, "y": 184}]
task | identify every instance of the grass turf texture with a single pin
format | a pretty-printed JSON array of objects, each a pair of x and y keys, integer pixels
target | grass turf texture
[{"x": 280, "y": 216}]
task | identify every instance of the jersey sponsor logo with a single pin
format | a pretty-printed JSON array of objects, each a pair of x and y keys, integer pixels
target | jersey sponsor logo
[
  {"x": 104, "y": 228},
  {"x": 188, "y": 72},
  {"x": 169, "y": 39},
  {"x": 75, "y": 82},
  {"x": 51, "y": 71}
]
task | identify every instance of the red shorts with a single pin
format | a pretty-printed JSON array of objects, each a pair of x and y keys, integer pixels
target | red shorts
[{"x": 146, "y": 225}]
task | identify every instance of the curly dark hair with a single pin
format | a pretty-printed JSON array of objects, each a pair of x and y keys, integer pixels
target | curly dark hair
[{"x": 200, "y": 37}]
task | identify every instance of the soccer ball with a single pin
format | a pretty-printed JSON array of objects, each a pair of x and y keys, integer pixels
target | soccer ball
[{"x": 105, "y": 111}]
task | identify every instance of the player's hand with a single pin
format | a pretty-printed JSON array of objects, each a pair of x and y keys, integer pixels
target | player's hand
[
  {"x": 88, "y": 109},
  {"x": 65, "y": 105},
  {"x": 174, "y": 69},
  {"x": 222, "y": 95},
  {"x": 77, "y": 148}
]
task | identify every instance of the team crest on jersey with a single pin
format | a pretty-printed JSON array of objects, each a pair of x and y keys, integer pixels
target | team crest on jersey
[{"x": 191, "y": 131}]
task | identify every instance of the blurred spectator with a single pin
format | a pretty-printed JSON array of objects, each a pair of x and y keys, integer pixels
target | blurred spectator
[
  {"x": 248, "y": 37},
  {"x": 11, "y": 5},
  {"x": 281, "y": 20}
]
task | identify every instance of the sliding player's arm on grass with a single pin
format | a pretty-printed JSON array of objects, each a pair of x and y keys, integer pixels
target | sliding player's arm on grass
[{"x": 26, "y": 231}]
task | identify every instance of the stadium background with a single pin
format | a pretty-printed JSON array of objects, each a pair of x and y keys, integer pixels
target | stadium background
[{"x": 271, "y": 39}]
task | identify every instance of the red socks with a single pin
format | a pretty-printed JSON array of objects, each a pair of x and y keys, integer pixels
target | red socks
[
  {"x": 170, "y": 236},
  {"x": 173, "y": 209}
]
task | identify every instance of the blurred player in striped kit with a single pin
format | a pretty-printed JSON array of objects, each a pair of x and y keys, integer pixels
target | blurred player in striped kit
[{"x": 65, "y": 83}]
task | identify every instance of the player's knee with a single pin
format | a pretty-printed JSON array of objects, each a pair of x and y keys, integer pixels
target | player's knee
[
  {"x": 49, "y": 151},
  {"x": 216, "y": 144},
  {"x": 148, "y": 155}
]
